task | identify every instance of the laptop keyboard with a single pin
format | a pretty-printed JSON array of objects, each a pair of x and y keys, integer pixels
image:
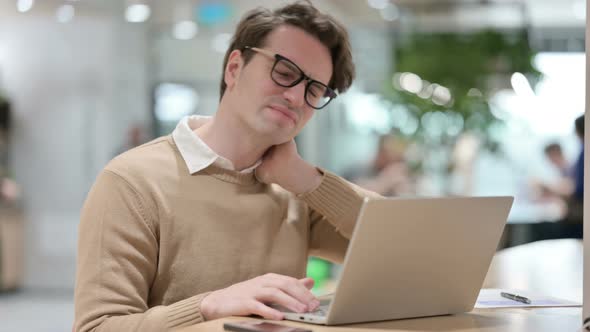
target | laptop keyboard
[{"x": 320, "y": 311}]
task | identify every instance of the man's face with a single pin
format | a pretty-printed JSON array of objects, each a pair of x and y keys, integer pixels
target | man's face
[
  {"x": 279, "y": 113},
  {"x": 556, "y": 158}
]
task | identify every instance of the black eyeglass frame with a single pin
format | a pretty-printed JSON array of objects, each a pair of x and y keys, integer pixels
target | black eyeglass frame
[{"x": 277, "y": 57}]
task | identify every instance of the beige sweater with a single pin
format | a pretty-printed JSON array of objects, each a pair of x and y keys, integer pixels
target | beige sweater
[{"x": 154, "y": 239}]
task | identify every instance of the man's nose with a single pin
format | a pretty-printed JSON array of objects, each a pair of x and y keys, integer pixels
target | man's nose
[{"x": 296, "y": 94}]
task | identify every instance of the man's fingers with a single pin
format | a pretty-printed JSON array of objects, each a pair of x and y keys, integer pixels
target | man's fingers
[
  {"x": 258, "y": 174},
  {"x": 307, "y": 282},
  {"x": 292, "y": 287},
  {"x": 261, "y": 173},
  {"x": 260, "y": 309},
  {"x": 277, "y": 296}
]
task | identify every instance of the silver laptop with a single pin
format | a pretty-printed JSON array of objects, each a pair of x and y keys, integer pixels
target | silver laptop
[{"x": 414, "y": 257}]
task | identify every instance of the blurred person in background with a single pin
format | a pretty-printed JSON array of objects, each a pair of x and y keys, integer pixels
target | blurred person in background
[
  {"x": 388, "y": 173},
  {"x": 219, "y": 218},
  {"x": 567, "y": 191},
  {"x": 575, "y": 199},
  {"x": 554, "y": 154},
  {"x": 570, "y": 187},
  {"x": 9, "y": 191},
  {"x": 136, "y": 136},
  {"x": 563, "y": 185}
]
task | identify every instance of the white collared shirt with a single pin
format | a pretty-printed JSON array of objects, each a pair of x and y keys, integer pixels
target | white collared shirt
[{"x": 196, "y": 153}]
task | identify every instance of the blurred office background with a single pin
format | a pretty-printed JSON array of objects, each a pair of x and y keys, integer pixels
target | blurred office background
[{"x": 454, "y": 97}]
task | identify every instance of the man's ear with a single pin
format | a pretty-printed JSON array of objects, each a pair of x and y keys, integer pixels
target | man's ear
[{"x": 234, "y": 66}]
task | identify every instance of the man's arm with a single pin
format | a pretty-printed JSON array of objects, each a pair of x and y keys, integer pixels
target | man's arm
[
  {"x": 335, "y": 205},
  {"x": 117, "y": 261},
  {"x": 335, "y": 202}
]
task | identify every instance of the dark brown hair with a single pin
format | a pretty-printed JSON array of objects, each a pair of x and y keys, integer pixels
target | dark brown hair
[
  {"x": 256, "y": 24},
  {"x": 579, "y": 125},
  {"x": 553, "y": 147}
]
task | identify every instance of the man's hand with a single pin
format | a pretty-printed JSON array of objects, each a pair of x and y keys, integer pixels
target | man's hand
[
  {"x": 253, "y": 296},
  {"x": 283, "y": 165}
]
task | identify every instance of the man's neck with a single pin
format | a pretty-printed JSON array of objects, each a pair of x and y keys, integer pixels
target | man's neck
[{"x": 232, "y": 140}]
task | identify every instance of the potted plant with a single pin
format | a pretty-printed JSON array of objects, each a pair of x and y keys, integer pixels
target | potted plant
[{"x": 444, "y": 80}]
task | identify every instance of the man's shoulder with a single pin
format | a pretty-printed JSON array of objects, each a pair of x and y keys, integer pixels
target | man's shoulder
[{"x": 149, "y": 159}]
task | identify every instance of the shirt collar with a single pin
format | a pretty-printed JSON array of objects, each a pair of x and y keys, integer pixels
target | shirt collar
[{"x": 196, "y": 153}]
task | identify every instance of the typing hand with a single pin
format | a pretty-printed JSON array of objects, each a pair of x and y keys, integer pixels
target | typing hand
[{"x": 252, "y": 296}]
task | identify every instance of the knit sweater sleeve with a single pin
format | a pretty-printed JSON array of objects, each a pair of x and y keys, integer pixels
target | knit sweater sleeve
[
  {"x": 335, "y": 205},
  {"x": 116, "y": 264}
]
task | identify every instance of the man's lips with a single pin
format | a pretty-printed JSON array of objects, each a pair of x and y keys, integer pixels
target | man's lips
[{"x": 285, "y": 111}]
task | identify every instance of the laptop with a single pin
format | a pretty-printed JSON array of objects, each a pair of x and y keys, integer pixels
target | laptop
[{"x": 414, "y": 257}]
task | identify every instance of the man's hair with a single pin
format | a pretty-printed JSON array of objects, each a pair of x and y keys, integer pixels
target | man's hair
[
  {"x": 553, "y": 147},
  {"x": 258, "y": 23},
  {"x": 579, "y": 124}
]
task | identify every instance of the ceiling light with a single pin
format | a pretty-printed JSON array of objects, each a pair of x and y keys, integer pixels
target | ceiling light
[
  {"x": 185, "y": 30},
  {"x": 521, "y": 85},
  {"x": 24, "y": 5},
  {"x": 221, "y": 42},
  {"x": 441, "y": 96},
  {"x": 390, "y": 13},
  {"x": 137, "y": 13},
  {"x": 411, "y": 82},
  {"x": 378, "y": 4},
  {"x": 65, "y": 13}
]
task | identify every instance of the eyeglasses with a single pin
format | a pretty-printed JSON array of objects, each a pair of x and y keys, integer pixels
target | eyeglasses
[{"x": 287, "y": 74}]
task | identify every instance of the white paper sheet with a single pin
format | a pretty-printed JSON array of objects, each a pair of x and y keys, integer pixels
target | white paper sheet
[{"x": 490, "y": 298}]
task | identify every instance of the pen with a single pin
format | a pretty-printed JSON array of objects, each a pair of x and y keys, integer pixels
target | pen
[{"x": 515, "y": 297}]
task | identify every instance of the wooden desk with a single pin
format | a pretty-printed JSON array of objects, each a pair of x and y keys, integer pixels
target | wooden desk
[{"x": 551, "y": 267}]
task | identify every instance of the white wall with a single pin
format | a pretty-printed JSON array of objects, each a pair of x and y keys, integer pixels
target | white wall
[{"x": 76, "y": 88}]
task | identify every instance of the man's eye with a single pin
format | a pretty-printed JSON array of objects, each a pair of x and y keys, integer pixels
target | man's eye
[
  {"x": 285, "y": 74},
  {"x": 316, "y": 92}
]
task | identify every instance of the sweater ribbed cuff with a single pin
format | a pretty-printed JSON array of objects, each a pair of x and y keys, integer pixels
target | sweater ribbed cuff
[
  {"x": 335, "y": 199},
  {"x": 186, "y": 312}
]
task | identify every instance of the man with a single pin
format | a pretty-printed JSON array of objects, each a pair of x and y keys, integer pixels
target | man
[
  {"x": 555, "y": 155},
  {"x": 219, "y": 218},
  {"x": 571, "y": 187},
  {"x": 575, "y": 199},
  {"x": 578, "y": 169},
  {"x": 570, "y": 190},
  {"x": 564, "y": 185},
  {"x": 388, "y": 172}
]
